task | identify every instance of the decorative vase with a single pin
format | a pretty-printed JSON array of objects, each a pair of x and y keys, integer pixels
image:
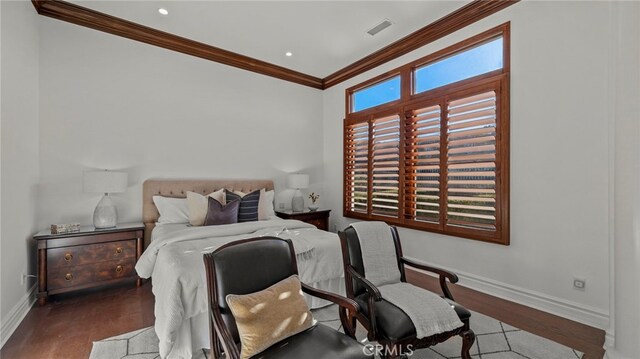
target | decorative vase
[{"x": 313, "y": 207}]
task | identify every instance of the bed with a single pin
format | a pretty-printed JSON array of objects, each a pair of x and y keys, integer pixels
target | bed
[{"x": 173, "y": 259}]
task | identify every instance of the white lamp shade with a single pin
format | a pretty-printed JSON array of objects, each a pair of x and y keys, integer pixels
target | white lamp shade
[
  {"x": 298, "y": 181},
  {"x": 105, "y": 181}
]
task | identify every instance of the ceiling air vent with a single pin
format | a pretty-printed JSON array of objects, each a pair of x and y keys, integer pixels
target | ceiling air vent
[{"x": 381, "y": 26}]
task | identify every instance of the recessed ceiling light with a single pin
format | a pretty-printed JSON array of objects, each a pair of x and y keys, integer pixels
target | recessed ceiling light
[
  {"x": 163, "y": 11},
  {"x": 289, "y": 54}
]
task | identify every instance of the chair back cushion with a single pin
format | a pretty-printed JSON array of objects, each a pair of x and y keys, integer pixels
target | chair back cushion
[
  {"x": 270, "y": 315},
  {"x": 250, "y": 266}
]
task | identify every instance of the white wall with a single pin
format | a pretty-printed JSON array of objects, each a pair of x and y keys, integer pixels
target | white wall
[
  {"x": 626, "y": 122},
  {"x": 559, "y": 164},
  {"x": 109, "y": 102},
  {"x": 19, "y": 151}
]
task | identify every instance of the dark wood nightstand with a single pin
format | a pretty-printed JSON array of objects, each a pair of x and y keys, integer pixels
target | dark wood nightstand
[
  {"x": 319, "y": 218},
  {"x": 88, "y": 258}
]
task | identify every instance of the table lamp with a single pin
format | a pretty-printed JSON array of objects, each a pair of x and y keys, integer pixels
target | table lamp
[
  {"x": 298, "y": 181},
  {"x": 105, "y": 214}
]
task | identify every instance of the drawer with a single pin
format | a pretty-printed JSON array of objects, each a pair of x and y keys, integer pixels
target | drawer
[
  {"x": 91, "y": 253},
  {"x": 89, "y": 274}
]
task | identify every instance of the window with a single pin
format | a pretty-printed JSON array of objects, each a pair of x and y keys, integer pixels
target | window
[
  {"x": 380, "y": 93},
  {"x": 434, "y": 156}
]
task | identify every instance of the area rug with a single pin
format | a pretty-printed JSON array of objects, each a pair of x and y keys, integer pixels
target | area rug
[{"x": 494, "y": 340}]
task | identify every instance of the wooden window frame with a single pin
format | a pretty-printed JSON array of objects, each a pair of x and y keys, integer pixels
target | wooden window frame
[{"x": 497, "y": 80}]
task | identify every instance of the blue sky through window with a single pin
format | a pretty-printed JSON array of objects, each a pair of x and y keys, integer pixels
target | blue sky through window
[
  {"x": 476, "y": 61},
  {"x": 382, "y": 92}
]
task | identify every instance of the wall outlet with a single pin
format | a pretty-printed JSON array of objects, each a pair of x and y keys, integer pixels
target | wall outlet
[
  {"x": 280, "y": 205},
  {"x": 579, "y": 283}
]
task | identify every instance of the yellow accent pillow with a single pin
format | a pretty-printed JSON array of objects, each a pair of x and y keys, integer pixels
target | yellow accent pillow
[{"x": 270, "y": 315}]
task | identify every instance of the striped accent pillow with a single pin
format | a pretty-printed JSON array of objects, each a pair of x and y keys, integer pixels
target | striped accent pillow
[{"x": 248, "y": 211}]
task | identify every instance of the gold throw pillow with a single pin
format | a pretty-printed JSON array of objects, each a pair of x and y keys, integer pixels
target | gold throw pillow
[{"x": 270, "y": 315}]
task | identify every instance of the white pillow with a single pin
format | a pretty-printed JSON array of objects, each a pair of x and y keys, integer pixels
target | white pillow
[
  {"x": 172, "y": 210},
  {"x": 265, "y": 204},
  {"x": 198, "y": 205}
]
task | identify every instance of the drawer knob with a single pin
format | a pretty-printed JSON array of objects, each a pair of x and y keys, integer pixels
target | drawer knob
[
  {"x": 68, "y": 257},
  {"x": 119, "y": 250},
  {"x": 119, "y": 269},
  {"x": 68, "y": 276}
]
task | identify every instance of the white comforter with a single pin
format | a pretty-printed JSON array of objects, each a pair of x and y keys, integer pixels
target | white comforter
[{"x": 174, "y": 260}]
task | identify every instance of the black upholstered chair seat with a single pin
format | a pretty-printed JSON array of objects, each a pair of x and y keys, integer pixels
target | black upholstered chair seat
[
  {"x": 318, "y": 342},
  {"x": 395, "y": 324}
]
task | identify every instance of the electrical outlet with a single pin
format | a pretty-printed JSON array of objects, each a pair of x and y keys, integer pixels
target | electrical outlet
[
  {"x": 23, "y": 278},
  {"x": 280, "y": 205},
  {"x": 579, "y": 283}
]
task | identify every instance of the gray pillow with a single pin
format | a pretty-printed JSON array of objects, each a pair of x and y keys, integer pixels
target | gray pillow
[{"x": 221, "y": 214}]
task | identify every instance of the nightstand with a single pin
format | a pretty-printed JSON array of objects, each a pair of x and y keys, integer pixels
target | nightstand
[
  {"x": 88, "y": 258},
  {"x": 318, "y": 218}
]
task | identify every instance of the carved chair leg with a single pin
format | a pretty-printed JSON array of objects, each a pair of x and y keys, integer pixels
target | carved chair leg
[{"x": 468, "y": 338}]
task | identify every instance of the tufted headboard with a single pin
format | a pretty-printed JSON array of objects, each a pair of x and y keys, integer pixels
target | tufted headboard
[{"x": 178, "y": 188}]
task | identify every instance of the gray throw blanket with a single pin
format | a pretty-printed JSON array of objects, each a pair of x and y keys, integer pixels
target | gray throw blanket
[{"x": 429, "y": 313}]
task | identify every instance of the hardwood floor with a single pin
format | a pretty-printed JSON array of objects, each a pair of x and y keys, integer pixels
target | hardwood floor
[
  {"x": 582, "y": 337},
  {"x": 67, "y": 326}
]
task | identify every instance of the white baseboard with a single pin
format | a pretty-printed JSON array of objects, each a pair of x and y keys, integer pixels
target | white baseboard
[
  {"x": 609, "y": 338},
  {"x": 546, "y": 303},
  {"x": 16, "y": 315}
]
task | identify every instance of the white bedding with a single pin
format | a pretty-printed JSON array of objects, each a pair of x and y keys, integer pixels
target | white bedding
[{"x": 174, "y": 261}]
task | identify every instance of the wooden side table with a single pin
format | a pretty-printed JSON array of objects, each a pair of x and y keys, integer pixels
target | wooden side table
[
  {"x": 319, "y": 218},
  {"x": 88, "y": 258}
]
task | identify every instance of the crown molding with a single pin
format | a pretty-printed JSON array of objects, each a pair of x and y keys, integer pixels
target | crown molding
[
  {"x": 452, "y": 22},
  {"x": 82, "y": 16},
  {"x": 464, "y": 16}
]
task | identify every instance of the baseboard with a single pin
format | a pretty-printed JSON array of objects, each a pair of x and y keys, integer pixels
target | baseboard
[
  {"x": 609, "y": 338},
  {"x": 560, "y": 307},
  {"x": 17, "y": 314}
]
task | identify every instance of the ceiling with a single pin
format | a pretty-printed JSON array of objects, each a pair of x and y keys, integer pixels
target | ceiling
[{"x": 323, "y": 36}]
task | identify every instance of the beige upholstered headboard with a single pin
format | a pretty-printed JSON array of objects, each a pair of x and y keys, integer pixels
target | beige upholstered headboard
[{"x": 178, "y": 188}]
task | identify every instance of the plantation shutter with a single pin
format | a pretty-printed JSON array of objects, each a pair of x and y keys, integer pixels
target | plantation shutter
[
  {"x": 471, "y": 162},
  {"x": 385, "y": 164},
  {"x": 356, "y": 163},
  {"x": 422, "y": 164}
]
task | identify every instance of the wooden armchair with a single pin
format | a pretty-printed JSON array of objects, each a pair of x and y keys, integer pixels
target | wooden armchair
[
  {"x": 385, "y": 322},
  {"x": 251, "y": 265}
]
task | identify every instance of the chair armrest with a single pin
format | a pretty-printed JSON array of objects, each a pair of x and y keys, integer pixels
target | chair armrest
[
  {"x": 347, "y": 307},
  {"x": 332, "y": 297},
  {"x": 371, "y": 289},
  {"x": 442, "y": 274}
]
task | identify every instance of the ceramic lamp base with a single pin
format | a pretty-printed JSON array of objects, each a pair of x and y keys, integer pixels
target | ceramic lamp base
[
  {"x": 105, "y": 214},
  {"x": 297, "y": 202}
]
